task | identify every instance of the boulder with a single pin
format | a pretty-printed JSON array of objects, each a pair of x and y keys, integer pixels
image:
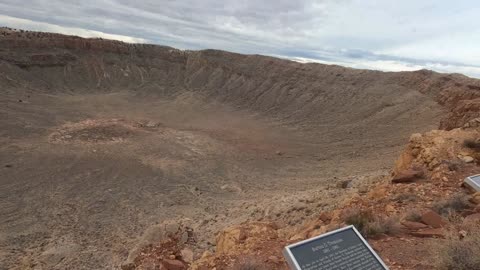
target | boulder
[
  {"x": 414, "y": 226},
  {"x": 475, "y": 198},
  {"x": 187, "y": 255},
  {"x": 408, "y": 176},
  {"x": 466, "y": 159},
  {"x": 150, "y": 264},
  {"x": 433, "y": 219},
  {"x": 173, "y": 265}
]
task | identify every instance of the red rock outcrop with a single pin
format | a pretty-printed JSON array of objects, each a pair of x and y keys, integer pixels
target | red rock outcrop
[{"x": 435, "y": 148}]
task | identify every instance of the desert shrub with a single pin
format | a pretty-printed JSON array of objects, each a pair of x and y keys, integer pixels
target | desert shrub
[
  {"x": 369, "y": 225},
  {"x": 405, "y": 197},
  {"x": 450, "y": 207},
  {"x": 390, "y": 226},
  {"x": 359, "y": 218},
  {"x": 460, "y": 254},
  {"x": 344, "y": 184},
  {"x": 452, "y": 165},
  {"x": 413, "y": 215},
  {"x": 472, "y": 144},
  {"x": 454, "y": 217}
]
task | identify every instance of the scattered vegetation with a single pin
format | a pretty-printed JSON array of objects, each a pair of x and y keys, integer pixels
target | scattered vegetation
[
  {"x": 472, "y": 144},
  {"x": 451, "y": 207},
  {"x": 405, "y": 197},
  {"x": 358, "y": 218},
  {"x": 460, "y": 253},
  {"x": 452, "y": 165},
  {"x": 414, "y": 216},
  {"x": 369, "y": 225},
  {"x": 344, "y": 184},
  {"x": 390, "y": 226}
]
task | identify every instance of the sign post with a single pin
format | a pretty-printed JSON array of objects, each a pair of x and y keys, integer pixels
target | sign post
[{"x": 343, "y": 249}]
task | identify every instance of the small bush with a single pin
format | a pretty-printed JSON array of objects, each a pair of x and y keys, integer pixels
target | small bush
[
  {"x": 360, "y": 219},
  {"x": 454, "y": 217},
  {"x": 472, "y": 144},
  {"x": 414, "y": 216},
  {"x": 452, "y": 165},
  {"x": 370, "y": 226},
  {"x": 455, "y": 204},
  {"x": 390, "y": 226},
  {"x": 406, "y": 197},
  {"x": 460, "y": 254},
  {"x": 344, "y": 184}
]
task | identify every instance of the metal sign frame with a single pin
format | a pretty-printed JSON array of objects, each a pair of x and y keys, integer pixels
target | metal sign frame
[
  {"x": 292, "y": 262},
  {"x": 469, "y": 181}
]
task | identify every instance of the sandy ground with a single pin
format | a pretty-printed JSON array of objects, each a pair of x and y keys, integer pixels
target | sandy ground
[{"x": 82, "y": 177}]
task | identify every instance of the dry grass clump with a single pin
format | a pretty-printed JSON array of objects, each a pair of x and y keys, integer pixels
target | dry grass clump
[
  {"x": 405, "y": 197},
  {"x": 358, "y": 218},
  {"x": 460, "y": 254},
  {"x": 452, "y": 165},
  {"x": 390, "y": 226},
  {"x": 369, "y": 225},
  {"x": 452, "y": 206},
  {"x": 413, "y": 215},
  {"x": 472, "y": 144}
]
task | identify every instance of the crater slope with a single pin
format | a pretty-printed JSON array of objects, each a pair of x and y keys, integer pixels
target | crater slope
[{"x": 102, "y": 141}]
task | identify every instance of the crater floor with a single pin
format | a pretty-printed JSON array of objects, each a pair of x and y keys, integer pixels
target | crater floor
[{"x": 84, "y": 176}]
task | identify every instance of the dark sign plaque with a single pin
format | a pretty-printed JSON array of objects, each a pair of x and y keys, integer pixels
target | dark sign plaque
[{"x": 343, "y": 249}]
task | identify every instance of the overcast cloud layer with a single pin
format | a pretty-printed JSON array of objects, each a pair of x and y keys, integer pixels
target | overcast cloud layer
[{"x": 390, "y": 35}]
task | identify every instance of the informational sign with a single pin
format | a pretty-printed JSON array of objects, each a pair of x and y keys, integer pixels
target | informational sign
[
  {"x": 343, "y": 249},
  {"x": 473, "y": 181}
]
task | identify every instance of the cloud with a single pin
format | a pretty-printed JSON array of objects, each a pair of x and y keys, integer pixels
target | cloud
[
  {"x": 47, "y": 27},
  {"x": 393, "y": 65},
  {"x": 386, "y": 35}
]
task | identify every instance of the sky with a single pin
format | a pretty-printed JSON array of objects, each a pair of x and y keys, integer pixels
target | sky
[{"x": 440, "y": 35}]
